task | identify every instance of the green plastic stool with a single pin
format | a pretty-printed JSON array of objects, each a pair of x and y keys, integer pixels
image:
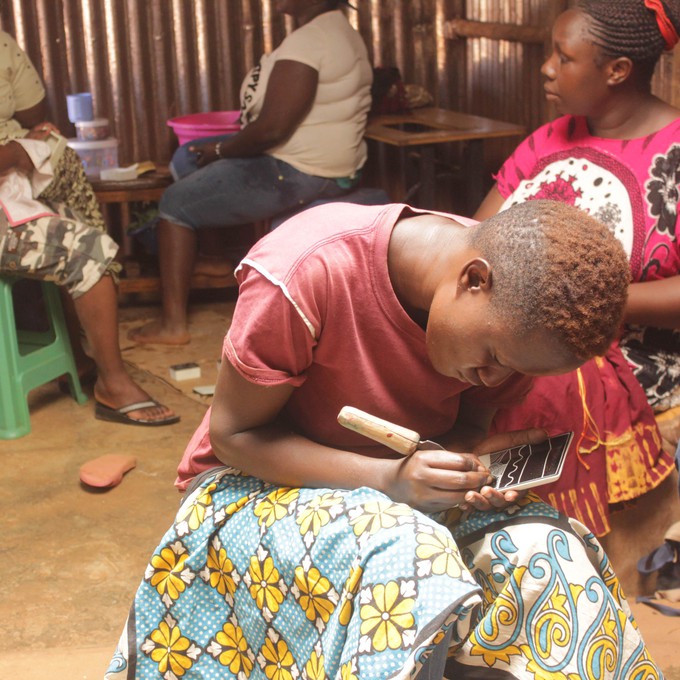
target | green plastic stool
[{"x": 29, "y": 359}]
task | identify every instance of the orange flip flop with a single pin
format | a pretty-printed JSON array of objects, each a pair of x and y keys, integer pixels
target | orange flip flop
[{"x": 107, "y": 470}]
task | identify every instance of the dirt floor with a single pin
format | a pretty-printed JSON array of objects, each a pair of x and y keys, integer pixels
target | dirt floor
[{"x": 72, "y": 558}]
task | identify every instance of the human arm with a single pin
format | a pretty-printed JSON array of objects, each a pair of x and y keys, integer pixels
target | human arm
[
  {"x": 247, "y": 432},
  {"x": 654, "y": 303},
  {"x": 13, "y": 156},
  {"x": 490, "y": 205},
  {"x": 33, "y": 116},
  {"x": 290, "y": 94}
]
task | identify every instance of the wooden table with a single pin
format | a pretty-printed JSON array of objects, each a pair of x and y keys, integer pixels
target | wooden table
[{"x": 424, "y": 128}]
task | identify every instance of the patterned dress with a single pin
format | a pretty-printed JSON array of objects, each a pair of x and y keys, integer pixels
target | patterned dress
[
  {"x": 632, "y": 186},
  {"x": 261, "y": 582}
]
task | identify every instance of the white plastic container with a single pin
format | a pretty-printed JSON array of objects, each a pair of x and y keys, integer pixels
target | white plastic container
[
  {"x": 96, "y": 155},
  {"x": 92, "y": 130}
]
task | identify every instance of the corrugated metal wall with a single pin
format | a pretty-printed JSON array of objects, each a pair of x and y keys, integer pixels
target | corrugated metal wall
[{"x": 148, "y": 60}]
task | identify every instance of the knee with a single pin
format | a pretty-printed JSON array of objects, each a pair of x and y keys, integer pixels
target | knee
[{"x": 172, "y": 201}]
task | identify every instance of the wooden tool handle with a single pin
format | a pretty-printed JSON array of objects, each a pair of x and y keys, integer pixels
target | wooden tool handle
[{"x": 400, "y": 439}]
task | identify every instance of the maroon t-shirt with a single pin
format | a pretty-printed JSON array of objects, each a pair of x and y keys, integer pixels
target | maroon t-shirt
[{"x": 316, "y": 310}]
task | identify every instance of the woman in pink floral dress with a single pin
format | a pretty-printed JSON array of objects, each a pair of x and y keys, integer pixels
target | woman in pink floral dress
[{"x": 615, "y": 153}]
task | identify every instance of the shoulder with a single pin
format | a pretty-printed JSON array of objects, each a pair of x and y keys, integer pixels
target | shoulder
[
  {"x": 8, "y": 42},
  {"x": 561, "y": 133},
  {"x": 9, "y": 49},
  {"x": 560, "y": 129},
  {"x": 322, "y": 33},
  {"x": 671, "y": 128},
  {"x": 332, "y": 240}
]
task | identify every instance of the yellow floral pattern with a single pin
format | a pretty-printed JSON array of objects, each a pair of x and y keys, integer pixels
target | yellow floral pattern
[
  {"x": 276, "y": 659},
  {"x": 275, "y": 506},
  {"x": 219, "y": 570},
  {"x": 386, "y": 617},
  {"x": 231, "y": 649},
  {"x": 193, "y": 513},
  {"x": 170, "y": 650},
  {"x": 167, "y": 573},
  {"x": 377, "y": 515},
  {"x": 266, "y": 586},
  {"x": 319, "y": 512},
  {"x": 349, "y": 592},
  {"x": 315, "y": 594},
  {"x": 315, "y": 669},
  {"x": 348, "y": 671},
  {"x": 439, "y": 554}
]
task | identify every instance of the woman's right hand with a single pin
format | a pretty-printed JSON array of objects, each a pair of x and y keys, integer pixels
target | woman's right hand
[
  {"x": 432, "y": 480},
  {"x": 42, "y": 131}
]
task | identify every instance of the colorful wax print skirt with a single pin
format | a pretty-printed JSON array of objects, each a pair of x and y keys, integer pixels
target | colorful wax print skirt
[
  {"x": 616, "y": 454},
  {"x": 258, "y": 582}
]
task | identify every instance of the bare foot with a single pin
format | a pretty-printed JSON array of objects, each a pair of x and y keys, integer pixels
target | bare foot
[
  {"x": 158, "y": 334},
  {"x": 206, "y": 265},
  {"x": 124, "y": 393}
]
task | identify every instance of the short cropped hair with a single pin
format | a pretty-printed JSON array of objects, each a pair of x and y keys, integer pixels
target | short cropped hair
[
  {"x": 627, "y": 28},
  {"x": 556, "y": 268}
]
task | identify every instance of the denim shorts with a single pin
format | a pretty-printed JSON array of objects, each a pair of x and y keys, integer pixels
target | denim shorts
[{"x": 234, "y": 191}]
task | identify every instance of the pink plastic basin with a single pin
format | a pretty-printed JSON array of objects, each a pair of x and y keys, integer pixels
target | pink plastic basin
[{"x": 197, "y": 125}]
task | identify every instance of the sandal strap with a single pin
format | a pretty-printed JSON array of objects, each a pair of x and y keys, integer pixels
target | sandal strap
[{"x": 138, "y": 406}]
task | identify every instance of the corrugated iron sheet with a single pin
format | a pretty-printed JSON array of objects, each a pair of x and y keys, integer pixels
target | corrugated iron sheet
[{"x": 149, "y": 60}]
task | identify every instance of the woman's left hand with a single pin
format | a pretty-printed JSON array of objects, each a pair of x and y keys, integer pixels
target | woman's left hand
[
  {"x": 488, "y": 498},
  {"x": 206, "y": 153}
]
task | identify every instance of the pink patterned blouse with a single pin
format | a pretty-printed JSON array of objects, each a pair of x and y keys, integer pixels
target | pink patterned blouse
[{"x": 630, "y": 185}]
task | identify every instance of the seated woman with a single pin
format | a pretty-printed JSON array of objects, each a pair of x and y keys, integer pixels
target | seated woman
[
  {"x": 615, "y": 154},
  {"x": 304, "y": 109},
  {"x": 23, "y": 109},
  {"x": 50, "y": 242},
  {"x": 302, "y": 549}
]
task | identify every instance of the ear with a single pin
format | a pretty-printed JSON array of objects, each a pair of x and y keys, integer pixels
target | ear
[
  {"x": 476, "y": 275},
  {"x": 618, "y": 70}
]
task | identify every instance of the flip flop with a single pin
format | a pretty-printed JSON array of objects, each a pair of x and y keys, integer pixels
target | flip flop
[
  {"x": 120, "y": 415},
  {"x": 107, "y": 470}
]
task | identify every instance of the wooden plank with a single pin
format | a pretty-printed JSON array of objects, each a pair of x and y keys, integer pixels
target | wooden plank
[{"x": 462, "y": 28}]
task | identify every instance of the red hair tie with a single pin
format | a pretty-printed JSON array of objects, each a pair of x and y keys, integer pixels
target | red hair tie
[{"x": 670, "y": 35}]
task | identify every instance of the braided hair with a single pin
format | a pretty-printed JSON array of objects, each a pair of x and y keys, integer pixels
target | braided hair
[
  {"x": 627, "y": 28},
  {"x": 557, "y": 269}
]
